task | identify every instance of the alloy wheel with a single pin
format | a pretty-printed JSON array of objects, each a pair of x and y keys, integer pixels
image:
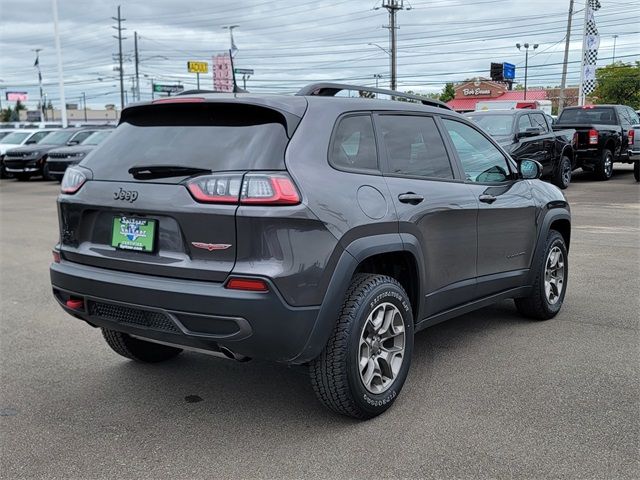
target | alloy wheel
[
  {"x": 382, "y": 347},
  {"x": 554, "y": 275}
]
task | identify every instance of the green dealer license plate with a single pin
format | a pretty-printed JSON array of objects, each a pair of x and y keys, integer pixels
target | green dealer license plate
[{"x": 130, "y": 233}]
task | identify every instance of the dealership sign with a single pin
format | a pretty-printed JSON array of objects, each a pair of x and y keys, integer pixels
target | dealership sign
[
  {"x": 223, "y": 80},
  {"x": 17, "y": 96}
]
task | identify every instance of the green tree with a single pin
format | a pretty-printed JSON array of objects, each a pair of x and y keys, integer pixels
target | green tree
[
  {"x": 618, "y": 84},
  {"x": 448, "y": 93},
  {"x": 6, "y": 114}
]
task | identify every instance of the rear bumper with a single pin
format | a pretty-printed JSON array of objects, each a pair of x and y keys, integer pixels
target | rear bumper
[
  {"x": 634, "y": 155},
  {"x": 195, "y": 314}
]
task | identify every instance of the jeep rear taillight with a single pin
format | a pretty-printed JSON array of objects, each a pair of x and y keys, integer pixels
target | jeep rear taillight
[
  {"x": 252, "y": 189},
  {"x": 269, "y": 189},
  {"x": 218, "y": 188},
  {"x": 593, "y": 137},
  {"x": 73, "y": 179},
  {"x": 632, "y": 136}
]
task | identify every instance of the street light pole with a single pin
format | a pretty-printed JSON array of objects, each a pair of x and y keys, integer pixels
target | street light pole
[
  {"x": 615, "y": 37},
  {"x": 377, "y": 76},
  {"x": 526, "y": 63},
  {"x": 56, "y": 35}
]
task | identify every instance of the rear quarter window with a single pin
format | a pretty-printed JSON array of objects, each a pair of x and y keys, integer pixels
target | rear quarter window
[{"x": 353, "y": 144}]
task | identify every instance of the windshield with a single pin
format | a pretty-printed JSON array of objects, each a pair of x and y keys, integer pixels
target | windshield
[
  {"x": 15, "y": 138},
  {"x": 603, "y": 115},
  {"x": 494, "y": 124},
  {"x": 58, "y": 138},
  {"x": 96, "y": 137}
]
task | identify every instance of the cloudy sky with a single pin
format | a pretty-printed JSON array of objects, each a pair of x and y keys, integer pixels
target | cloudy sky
[{"x": 294, "y": 42}]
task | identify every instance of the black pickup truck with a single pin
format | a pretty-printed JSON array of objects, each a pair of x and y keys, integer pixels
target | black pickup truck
[
  {"x": 529, "y": 134},
  {"x": 603, "y": 134}
]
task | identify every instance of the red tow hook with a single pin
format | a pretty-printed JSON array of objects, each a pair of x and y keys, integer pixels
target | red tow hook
[{"x": 75, "y": 304}]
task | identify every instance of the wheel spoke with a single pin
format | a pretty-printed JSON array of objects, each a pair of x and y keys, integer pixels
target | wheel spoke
[{"x": 381, "y": 348}]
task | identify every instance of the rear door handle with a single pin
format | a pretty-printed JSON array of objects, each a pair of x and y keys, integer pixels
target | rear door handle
[
  {"x": 410, "y": 197},
  {"x": 487, "y": 198}
]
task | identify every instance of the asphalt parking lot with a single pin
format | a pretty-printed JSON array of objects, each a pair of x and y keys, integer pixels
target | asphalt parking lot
[{"x": 489, "y": 395}]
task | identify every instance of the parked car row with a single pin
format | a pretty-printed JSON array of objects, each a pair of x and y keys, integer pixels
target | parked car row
[
  {"x": 27, "y": 153},
  {"x": 592, "y": 138}
]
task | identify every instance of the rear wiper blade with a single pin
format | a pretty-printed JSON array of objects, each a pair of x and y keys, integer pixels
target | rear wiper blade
[{"x": 150, "y": 172}]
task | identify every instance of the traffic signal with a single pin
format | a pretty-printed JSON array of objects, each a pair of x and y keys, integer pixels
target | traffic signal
[{"x": 497, "y": 72}]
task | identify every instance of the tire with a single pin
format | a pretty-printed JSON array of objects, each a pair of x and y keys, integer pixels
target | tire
[
  {"x": 562, "y": 176},
  {"x": 636, "y": 170},
  {"x": 541, "y": 305},
  {"x": 45, "y": 173},
  {"x": 336, "y": 375},
  {"x": 136, "y": 349},
  {"x": 604, "y": 168},
  {"x": 22, "y": 177}
]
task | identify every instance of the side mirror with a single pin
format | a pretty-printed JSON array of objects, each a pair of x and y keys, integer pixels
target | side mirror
[
  {"x": 30, "y": 142},
  {"x": 530, "y": 132},
  {"x": 529, "y": 169},
  {"x": 73, "y": 142}
]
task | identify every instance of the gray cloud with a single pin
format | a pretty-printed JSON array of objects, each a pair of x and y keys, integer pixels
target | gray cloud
[{"x": 292, "y": 43}]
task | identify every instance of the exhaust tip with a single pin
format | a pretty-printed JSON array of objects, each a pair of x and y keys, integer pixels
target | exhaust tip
[{"x": 234, "y": 356}]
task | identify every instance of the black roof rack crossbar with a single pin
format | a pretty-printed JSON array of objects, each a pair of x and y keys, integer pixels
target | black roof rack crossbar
[{"x": 331, "y": 89}]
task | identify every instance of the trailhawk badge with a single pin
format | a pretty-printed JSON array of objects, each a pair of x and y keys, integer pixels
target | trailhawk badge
[{"x": 211, "y": 246}]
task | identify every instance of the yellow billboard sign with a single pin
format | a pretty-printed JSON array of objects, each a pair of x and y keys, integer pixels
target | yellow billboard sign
[{"x": 198, "y": 67}]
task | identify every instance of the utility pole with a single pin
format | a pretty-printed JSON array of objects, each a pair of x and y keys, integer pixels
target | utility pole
[
  {"x": 135, "y": 43},
  {"x": 615, "y": 38},
  {"x": 84, "y": 104},
  {"x": 56, "y": 34},
  {"x": 120, "y": 28},
  {"x": 392, "y": 7},
  {"x": 563, "y": 84},
  {"x": 43, "y": 112}
]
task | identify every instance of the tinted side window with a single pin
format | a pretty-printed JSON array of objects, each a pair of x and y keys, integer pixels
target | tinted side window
[
  {"x": 80, "y": 137},
  {"x": 481, "y": 160},
  {"x": 624, "y": 117},
  {"x": 633, "y": 116},
  {"x": 524, "y": 123},
  {"x": 537, "y": 119},
  {"x": 36, "y": 137},
  {"x": 354, "y": 144},
  {"x": 414, "y": 146}
]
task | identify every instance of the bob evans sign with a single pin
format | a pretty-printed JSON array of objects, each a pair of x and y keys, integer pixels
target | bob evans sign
[{"x": 468, "y": 92}]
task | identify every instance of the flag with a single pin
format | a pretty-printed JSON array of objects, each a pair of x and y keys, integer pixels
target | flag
[
  {"x": 590, "y": 48},
  {"x": 37, "y": 62},
  {"x": 234, "y": 49}
]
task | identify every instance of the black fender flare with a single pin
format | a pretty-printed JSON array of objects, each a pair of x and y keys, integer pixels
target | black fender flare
[
  {"x": 354, "y": 254},
  {"x": 554, "y": 211}
]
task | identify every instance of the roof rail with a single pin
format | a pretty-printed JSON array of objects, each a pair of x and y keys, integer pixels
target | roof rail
[{"x": 331, "y": 89}]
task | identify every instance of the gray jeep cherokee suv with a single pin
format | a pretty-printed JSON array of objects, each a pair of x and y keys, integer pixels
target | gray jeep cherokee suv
[{"x": 313, "y": 229}]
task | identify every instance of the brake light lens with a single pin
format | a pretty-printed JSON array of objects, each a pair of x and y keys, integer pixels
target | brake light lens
[
  {"x": 632, "y": 136},
  {"x": 247, "y": 284},
  {"x": 273, "y": 189},
  {"x": 252, "y": 189},
  {"x": 73, "y": 180},
  {"x": 593, "y": 137},
  {"x": 222, "y": 188},
  {"x": 56, "y": 256}
]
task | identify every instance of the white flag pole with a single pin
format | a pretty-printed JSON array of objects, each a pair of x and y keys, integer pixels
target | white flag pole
[
  {"x": 581, "y": 97},
  {"x": 56, "y": 33}
]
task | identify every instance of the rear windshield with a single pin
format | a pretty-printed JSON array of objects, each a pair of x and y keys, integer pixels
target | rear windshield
[
  {"x": 602, "y": 115},
  {"x": 213, "y": 136},
  {"x": 494, "y": 124}
]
